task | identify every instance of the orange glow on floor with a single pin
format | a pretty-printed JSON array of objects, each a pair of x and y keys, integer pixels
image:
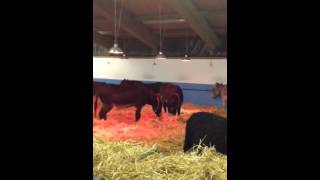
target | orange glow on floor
[{"x": 121, "y": 124}]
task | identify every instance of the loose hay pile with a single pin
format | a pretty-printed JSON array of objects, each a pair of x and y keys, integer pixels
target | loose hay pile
[{"x": 128, "y": 161}]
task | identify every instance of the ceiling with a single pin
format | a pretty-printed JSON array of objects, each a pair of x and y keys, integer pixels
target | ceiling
[{"x": 200, "y": 26}]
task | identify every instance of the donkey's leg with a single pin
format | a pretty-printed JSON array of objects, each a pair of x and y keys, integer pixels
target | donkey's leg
[
  {"x": 179, "y": 109},
  {"x": 104, "y": 110},
  {"x": 165, "y": 107},
  {"x": 138, "y": 112},
  {"x": 97, "y": 106}
]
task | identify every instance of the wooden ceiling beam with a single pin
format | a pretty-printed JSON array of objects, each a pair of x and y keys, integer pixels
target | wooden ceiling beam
[
  {"x": 167, "y": 17},
  {"x": 197, "y": 22},
  {"x": 128, "y": 23}
]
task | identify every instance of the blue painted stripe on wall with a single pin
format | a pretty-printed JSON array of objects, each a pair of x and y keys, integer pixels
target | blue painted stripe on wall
[{"x": 199, "y": 94}]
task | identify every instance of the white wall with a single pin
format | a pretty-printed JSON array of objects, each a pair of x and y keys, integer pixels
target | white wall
[{"x": 170, "y": 70}]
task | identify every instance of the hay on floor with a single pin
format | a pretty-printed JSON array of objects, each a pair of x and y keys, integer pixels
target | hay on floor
[
  {"x": 167, "y": 132},
  {"x": 129, "y": 161}
]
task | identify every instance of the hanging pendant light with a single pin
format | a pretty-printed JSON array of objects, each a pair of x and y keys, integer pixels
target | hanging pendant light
[
  {"x": 115, "y": 50},
  {"x": 160, "y": 55},
  {"x": 124, "y": 56},
  {"x": 186, "y": 57}
]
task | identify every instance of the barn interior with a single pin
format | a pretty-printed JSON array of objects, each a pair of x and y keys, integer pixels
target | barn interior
[{"x": 181, "y": 42}]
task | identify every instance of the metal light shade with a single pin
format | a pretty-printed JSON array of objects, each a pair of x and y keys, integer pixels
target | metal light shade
[
  {"x": 115, "y": 50},
  {"x": 161, "y": 56},
  {"x": 124, "y": 56},
  {"x": 186, "y": 58}
]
